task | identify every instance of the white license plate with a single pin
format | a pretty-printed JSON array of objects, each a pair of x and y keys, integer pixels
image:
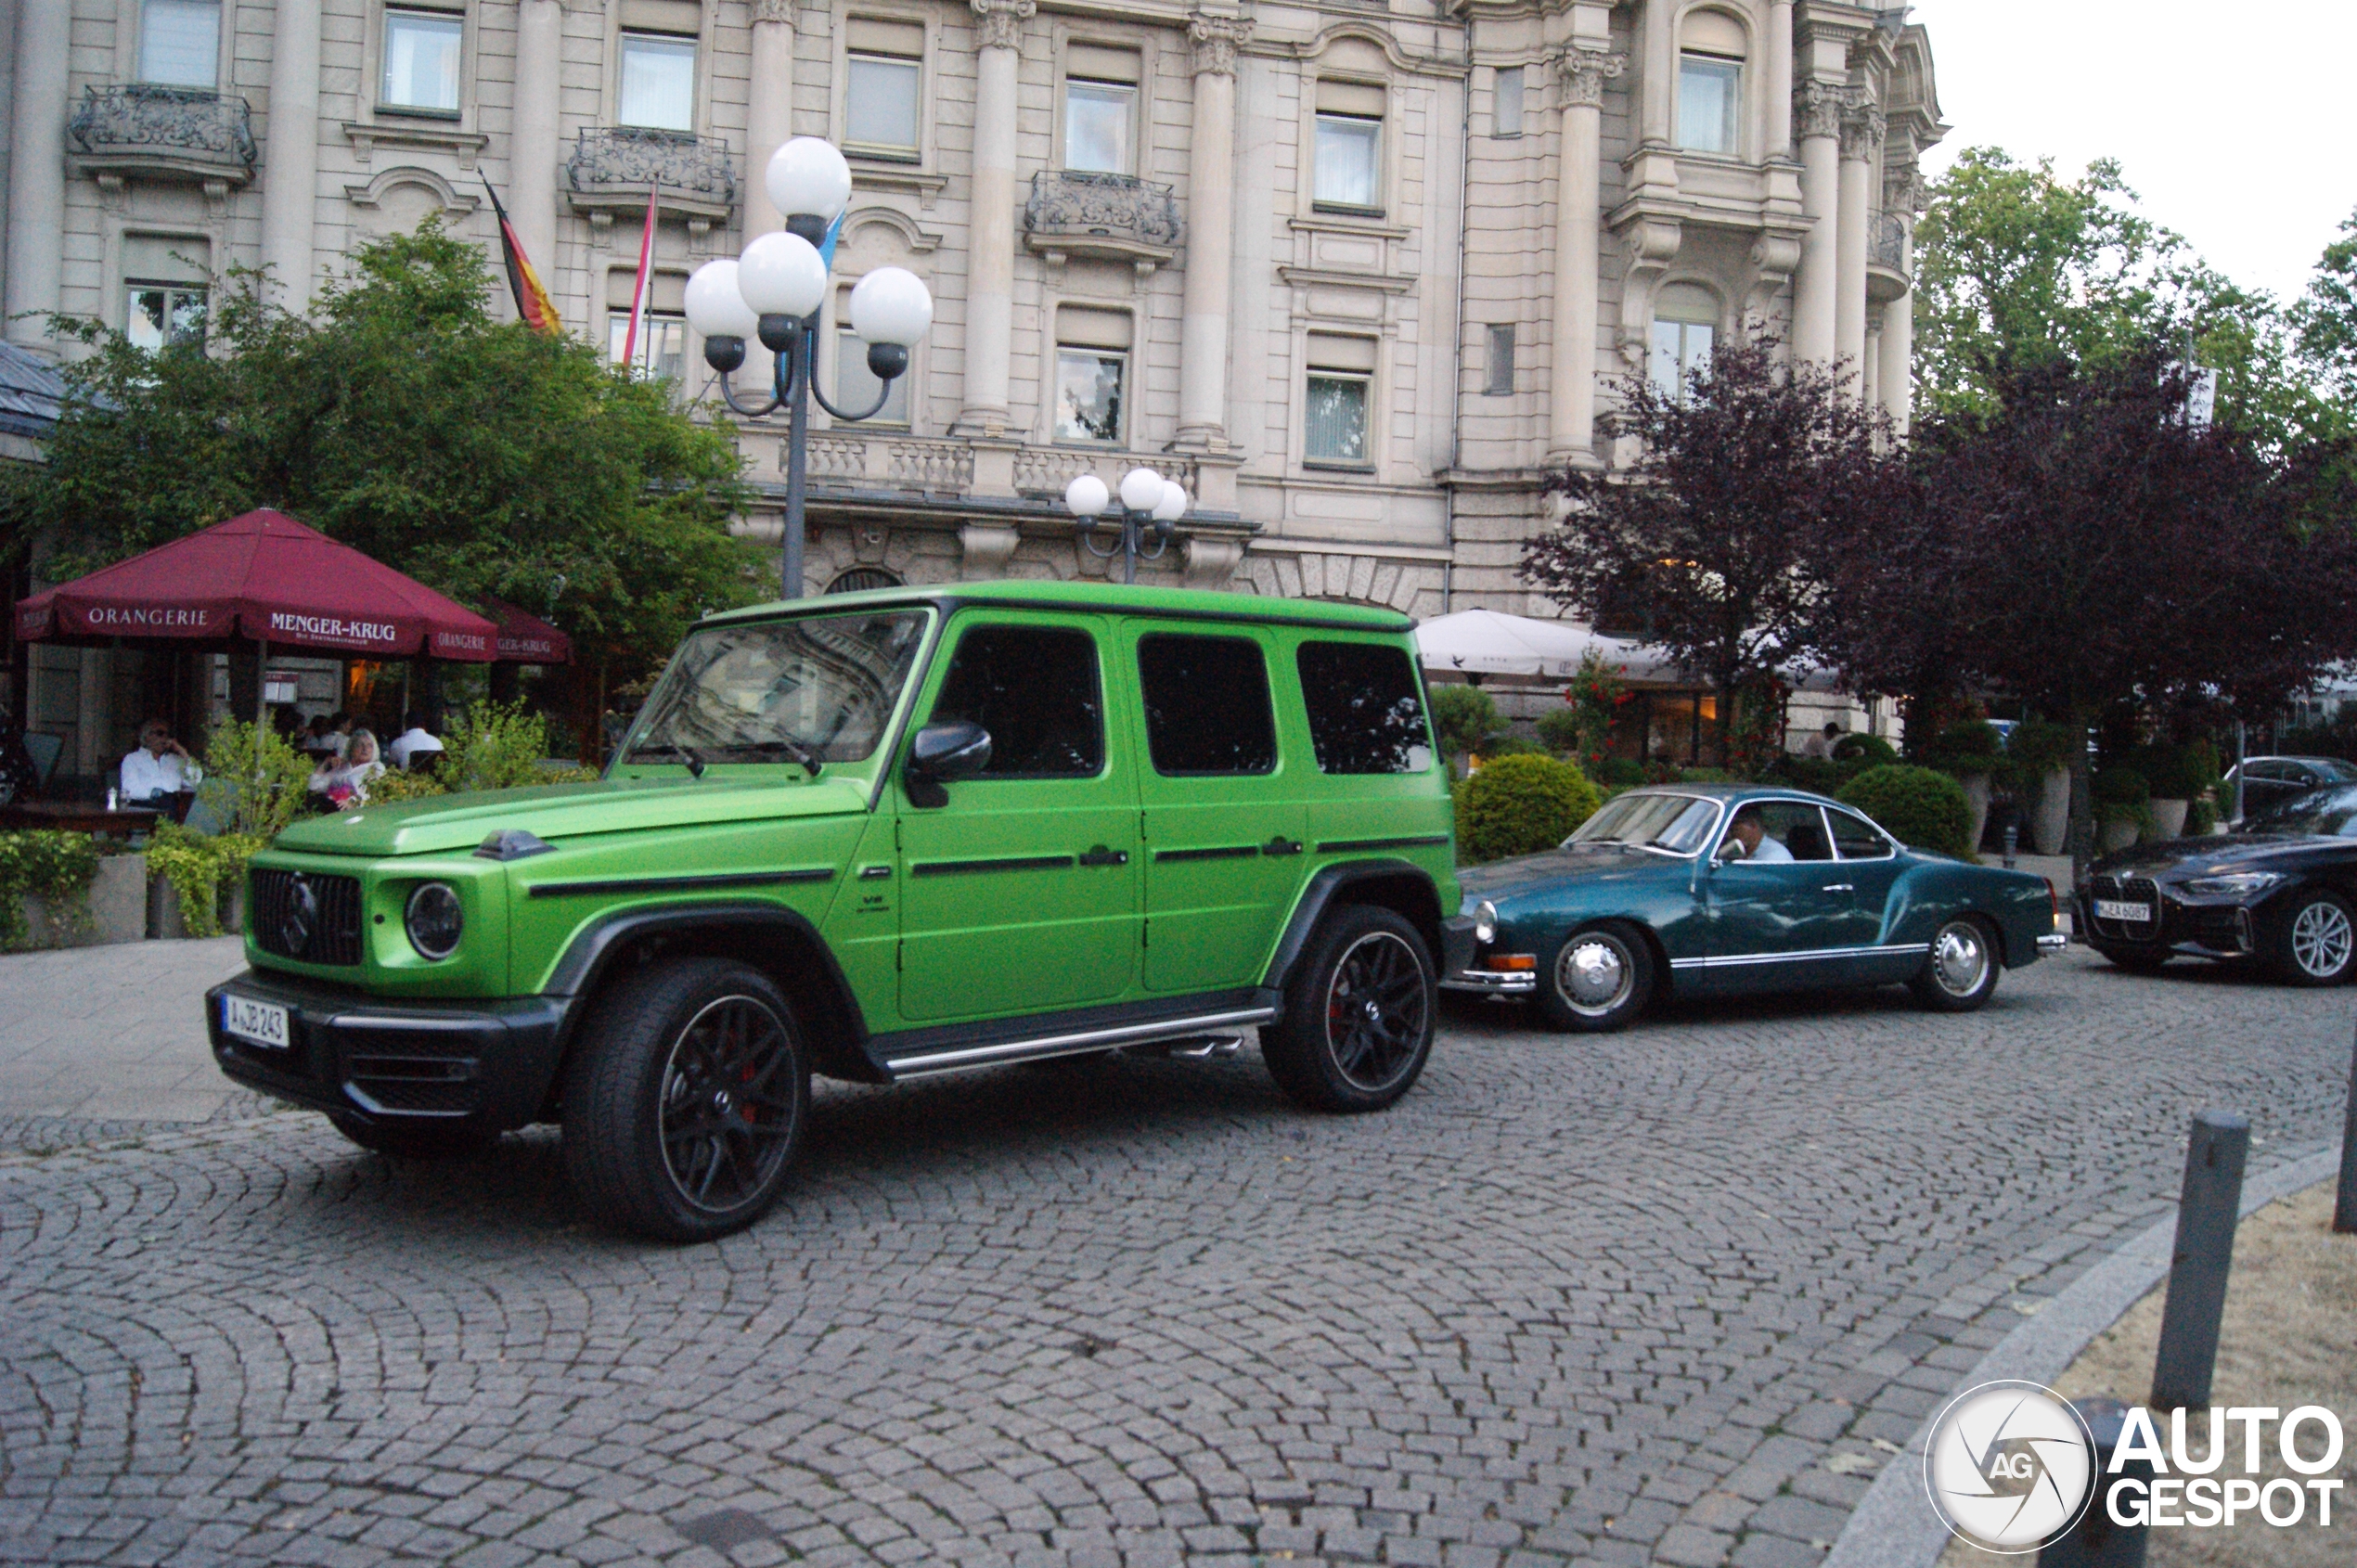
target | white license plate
[
  {"x": 2116, "y": 909},
  {"x": 262, "y": 1023}
]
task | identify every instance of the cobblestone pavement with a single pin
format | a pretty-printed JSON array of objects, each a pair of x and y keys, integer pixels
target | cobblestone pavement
[{"x": 1666, "y": 1296}]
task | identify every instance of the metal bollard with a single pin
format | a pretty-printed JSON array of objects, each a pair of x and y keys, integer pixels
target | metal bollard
[
  {"x": 2013, "y": 843},
  {"x": 2207, "y": 1212},
  {"x": 2097, "y": 1542},
  {"x": 2345, "y": 1204}
]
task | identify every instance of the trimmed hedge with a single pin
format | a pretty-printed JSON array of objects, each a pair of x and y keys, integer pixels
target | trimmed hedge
[
  {"x": 1872, "y": 749},
  {"x": 1920, "y": 806},
  {"x": 1520, "y": 805}
]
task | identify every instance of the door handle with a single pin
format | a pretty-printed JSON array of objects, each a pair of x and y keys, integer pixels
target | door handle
[
  {"x": 1282, "y": 846},
  {"x": 1841, "y": 887},
  {"x": 1101, "y": 855}
]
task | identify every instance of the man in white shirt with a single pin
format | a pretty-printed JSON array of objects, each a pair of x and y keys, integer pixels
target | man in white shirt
[
  {"x": 413, "y": 744},
  {"x": 158, "y": 770},
  {"x": 1759, "y": 848}
]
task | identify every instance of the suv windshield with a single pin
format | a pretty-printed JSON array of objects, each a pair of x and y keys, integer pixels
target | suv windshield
[
  {"x": 817, "y": 689},
  {"x": 2324, "y": 814},
  {"x": 1677, "y": 823}
]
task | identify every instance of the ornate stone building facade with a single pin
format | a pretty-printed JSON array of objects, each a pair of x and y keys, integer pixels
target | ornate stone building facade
[{"x": 1358, "y": 274}]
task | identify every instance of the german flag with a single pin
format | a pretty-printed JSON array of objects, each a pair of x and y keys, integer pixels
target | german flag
[{"x": 532, "y": 301}]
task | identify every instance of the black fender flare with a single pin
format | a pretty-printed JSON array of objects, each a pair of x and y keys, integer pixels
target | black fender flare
[
  {"x": 1329, "y": 885},
  {"x": 754, "y": 932}
]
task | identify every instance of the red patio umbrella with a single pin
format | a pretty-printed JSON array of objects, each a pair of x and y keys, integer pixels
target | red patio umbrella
[{"x": 525, "y": 639}]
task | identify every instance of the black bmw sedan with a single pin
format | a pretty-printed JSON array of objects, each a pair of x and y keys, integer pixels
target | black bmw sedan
[{"x": 2281, "y": 892}]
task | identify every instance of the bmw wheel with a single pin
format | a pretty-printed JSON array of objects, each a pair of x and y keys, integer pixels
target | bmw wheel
[
  {"x": 2316, "y": 943},
  {"x": 1960, "y": 973},
  {"x": 1597, "y": 981},
  {"x": 1359, "y": 1014}
]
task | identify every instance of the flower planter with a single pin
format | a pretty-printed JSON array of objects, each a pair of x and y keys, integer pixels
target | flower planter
[
  {"x": 2050, "y": 817},
  {"x": 163, "y": 910},
  {"x": 2118, "y": 834},
  {"x": 118, "y": 900},
  {"x": 1977, "y": 801},
  {"x": 2168, "y": 820}
]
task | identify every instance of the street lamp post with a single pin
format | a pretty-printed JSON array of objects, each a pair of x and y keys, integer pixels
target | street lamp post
[
  {"x": 1148, "y": 501},
  {"x": 773, "y": 291}
]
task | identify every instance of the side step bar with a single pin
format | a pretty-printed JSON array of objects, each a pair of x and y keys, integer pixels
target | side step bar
[{"x": 1190, "y": 1031}]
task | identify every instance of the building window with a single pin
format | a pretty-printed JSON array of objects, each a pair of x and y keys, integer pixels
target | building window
[
  {"x": 860, "y": 579},
  {"x": 1501, "y": 382},
  {"x": 1506, "y": 109},
  {"x": 1092, "y": 371},
  {"x": 1335, "y": 399},
  {"x": 1708, "y": 91},
  {"x": 165, "y": 315},
  {"x": 882, "y": 92},
  {"x": 180, "y": 43},
  {"x": 658, "y": 82},
  {"x": 1349, "y": 160},
  {"x": 855, "y": 385},
  {"x": 1685, "y": 325},
  {"x": 1097, "y": 119},
  {"x": 421, "y": 61},
  {"x": 662, "y": 349}
]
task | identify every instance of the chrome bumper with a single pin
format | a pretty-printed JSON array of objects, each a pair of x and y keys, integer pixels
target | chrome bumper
[
  {"x": 1492, "y": 982},
  {"x": 2054, "y": 942}
]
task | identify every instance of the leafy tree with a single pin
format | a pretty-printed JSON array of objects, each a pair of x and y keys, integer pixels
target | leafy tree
[
  {"x": 1711, "y": 540},
  {"x": 482, "y": 457},
  {"x": 1464, "y": 718}
]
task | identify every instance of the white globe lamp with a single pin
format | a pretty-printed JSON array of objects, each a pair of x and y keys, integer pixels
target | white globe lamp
[
  {"x": 808, "y": 177},
  {"x": 781, "y": 275},
  {"x": 1173, "y": 505},
  {"x": 1141, "y": 490},
  {"x": 891, "y": 305},
  {"x": 715, "y": 307}
]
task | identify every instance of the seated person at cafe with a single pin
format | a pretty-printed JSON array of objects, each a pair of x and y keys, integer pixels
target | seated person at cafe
[
  {"x": 415, "y": 746},
  {"x": 158, "y": 770},
  {"x": 345, "y": 781}
]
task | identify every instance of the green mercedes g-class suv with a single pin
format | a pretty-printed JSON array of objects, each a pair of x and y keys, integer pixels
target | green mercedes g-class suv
[{"x": 878, "y": 836}]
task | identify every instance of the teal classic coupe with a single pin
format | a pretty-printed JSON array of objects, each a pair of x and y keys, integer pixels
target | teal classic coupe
[{"x": 1726, "y": 889}]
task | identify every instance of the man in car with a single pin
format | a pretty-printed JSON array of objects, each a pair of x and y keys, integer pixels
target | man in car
[{"x": 1759, "y": 848}]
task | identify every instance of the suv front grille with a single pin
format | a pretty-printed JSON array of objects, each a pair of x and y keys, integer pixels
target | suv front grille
[
  {"x": 299, "y": 915},
  {"x": 2129, "y": 890}
]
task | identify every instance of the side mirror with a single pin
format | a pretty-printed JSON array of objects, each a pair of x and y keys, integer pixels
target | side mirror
[{"x": 957, "y": 749}]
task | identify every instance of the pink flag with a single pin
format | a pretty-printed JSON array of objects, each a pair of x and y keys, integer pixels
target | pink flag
[{"x": 639, "y": 290}]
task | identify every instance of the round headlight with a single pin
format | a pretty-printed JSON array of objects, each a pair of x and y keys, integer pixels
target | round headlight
[
  {"x": 434, "y": 919},
  {"x": 1485, "y": 921}
]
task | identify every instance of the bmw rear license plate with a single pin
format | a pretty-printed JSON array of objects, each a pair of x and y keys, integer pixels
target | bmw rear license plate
[
  {"x": 2120, "y": 909},
  {"x": 257, "y": 1023}
]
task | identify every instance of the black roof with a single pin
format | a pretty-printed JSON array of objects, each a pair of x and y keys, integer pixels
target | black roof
[{"x": 31, "y": 393}]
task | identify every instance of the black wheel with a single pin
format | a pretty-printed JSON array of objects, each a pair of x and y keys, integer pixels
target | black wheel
[
  {"x": 1359, "y": 1014},
  {"x": 2315, "y": 938},
  {"x": 2134, "y": 962},
  {"x": 426, "y": 1142},
  {"x": 1960, "y": 973},
  {"x": 685, "y": 1102},
  {"x": 1597, "y": 981}
]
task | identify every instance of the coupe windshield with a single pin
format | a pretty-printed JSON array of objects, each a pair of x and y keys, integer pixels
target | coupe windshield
[
  {"x": 818, "y": 689},
  {"x": 2324, "y": 814},
  {"x": 1679, "y": 824}
]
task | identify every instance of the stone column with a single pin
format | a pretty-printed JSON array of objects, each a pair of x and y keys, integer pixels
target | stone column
[
  {"x": 1861, "y": 130},
  {"x": 290, "y": 154},
  {"x": 769, "y": 110},
  {"x": 1816, "y": 108},
  {"x": 532, "y": 199},
  {"x": 1658, "y": 82},
  {"x": 1571, "y": 414},
  {"x": 990, "y": 268},
  {"x": 1211, "y": 226},
  {"x": 37, "y": 165},
  {"x": 1902, "y": 197},
  {"x": 1779, "y": 84}
]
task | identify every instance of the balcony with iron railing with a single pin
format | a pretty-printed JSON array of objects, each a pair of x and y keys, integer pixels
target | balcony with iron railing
[
  {"x": 1117, "y": 217},
  {"x": 615, "y": 167},
  {"x": 137, "y": 130},
  {"x": 1887, "y": 276}
]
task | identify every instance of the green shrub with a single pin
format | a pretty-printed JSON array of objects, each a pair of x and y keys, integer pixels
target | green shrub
[
  {"x": 1968, "y": 748},
  {"x": 2175, "y": 773},
  {"x": 1620, "y": 772},
  {"x": 255, "y": 782},
  {"x": 57, "y": 868},
  {"x": 1559, "y": 731},
  {"x": 1464, "y": 718},
  {"x": 200, "y": 867},
  {"x": 1872, "y": 749},
  {"x": 1520, "y": 805},
  {"x": 1507, "y": 744},
  {"x": 1921, "y": 807},
  {"x": 2121, "y": 785},
  {"x": 2037, "y": 748}
]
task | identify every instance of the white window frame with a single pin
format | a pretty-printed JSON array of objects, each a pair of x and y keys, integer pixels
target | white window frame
[
  {"x": 1125, "y": 417},
  {"x": 1686, "y": 324},
  {"x": 136, "y": 66},
  {"x": 618, "y": 320},
  {"x": 921, "y": 157},
  {"x": 132, "y": 285},
  {"x": 1733, "y": 127},
  {"x": 1508, "y": 102},
  {"x": 699, "y": 62},
  {"x": 383, "y": 55},
  {"x": 1378, "y": 207}
]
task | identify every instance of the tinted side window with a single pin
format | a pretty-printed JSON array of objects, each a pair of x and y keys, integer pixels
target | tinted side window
[
  {"x": 1207, "y": 704},
  {"x": 1855, "y": 838},
  {"x": 1035, "y": 688},
  {"x": 1366, "y": 713}
]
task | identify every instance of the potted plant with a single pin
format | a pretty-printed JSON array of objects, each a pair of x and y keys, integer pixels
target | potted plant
[
  {"x": 2123, "y": 807},
  {"x": 1970, "y": 753},
  {"x": 2038, "y": 755},
  {"x": 2175, "y": 775}
]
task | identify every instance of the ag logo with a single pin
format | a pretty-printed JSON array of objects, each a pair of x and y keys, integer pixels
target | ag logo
[{"x": 2009, "y": 1466}]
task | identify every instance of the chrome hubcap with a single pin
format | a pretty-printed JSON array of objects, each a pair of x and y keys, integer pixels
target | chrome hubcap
[
  {"x": 1959, "y": 959},
  {"x": 2321, "y": 940},
  {"x": 1592, "y": 975}
]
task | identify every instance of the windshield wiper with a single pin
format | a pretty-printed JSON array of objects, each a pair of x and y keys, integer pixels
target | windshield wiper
[
  {"x": 793, "y": 751},
  {"x": 688, "y": 755}
]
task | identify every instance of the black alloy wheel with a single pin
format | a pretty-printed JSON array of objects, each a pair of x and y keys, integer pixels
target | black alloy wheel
[
  {"x": 1359, "y": 1014},
  {"x": 687, "y": 1101},
  {"x": 1597, "y": 981},
  {"x": 2317, "y": 938}
]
